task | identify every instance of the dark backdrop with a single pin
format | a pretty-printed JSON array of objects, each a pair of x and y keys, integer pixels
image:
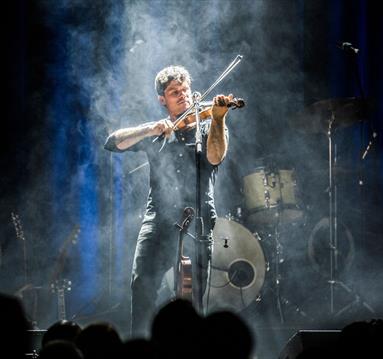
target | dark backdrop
[{"x": 74, "y": 71}]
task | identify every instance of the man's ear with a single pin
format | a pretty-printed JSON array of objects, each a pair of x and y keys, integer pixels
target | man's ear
[{"x": 162, "y": 100}]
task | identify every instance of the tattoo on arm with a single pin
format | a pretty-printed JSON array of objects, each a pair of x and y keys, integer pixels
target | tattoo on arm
[{"x": 124, "y": 138}]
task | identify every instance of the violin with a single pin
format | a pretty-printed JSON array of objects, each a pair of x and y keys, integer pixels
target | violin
[
  {"x": 183, "y": 271},
  {"x": 187, "y": 121}
]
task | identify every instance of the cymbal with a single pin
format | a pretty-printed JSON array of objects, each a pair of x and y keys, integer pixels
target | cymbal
[{"x": 316, "y": 117}]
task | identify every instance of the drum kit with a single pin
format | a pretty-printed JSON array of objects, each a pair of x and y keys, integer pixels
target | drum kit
[
  {"x": 247, "y": 250},
  {"x": 248, "y": 245}
]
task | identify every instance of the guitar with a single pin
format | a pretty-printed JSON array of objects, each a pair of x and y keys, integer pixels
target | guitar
[
  {"x": 70, "y": 240},
  {"x": 183, "y": 270},
  {"x": 20, "y": 236},
  {"x": 60, "y": 285},
  {"x": 28, "y": 292}
]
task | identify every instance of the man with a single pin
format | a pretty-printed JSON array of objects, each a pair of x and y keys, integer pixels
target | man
[{"x": 172, "y": 184}]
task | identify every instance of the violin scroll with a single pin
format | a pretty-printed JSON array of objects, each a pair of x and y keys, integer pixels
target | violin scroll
[{"x": 236, "y": 103}]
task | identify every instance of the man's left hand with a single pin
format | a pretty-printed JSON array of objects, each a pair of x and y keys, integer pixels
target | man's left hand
[{"x": 220, "y": 108}]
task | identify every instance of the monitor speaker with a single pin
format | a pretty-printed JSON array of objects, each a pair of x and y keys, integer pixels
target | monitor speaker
[
  {"x": 34, "y": 340},
  {"x": 308, "y": 339}
]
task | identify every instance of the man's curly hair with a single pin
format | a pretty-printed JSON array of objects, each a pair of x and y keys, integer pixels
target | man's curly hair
[{"x": 168, "y": 74}]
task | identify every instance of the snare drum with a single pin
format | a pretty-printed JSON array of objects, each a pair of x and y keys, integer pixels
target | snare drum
[{"x": 271, "y": 197}]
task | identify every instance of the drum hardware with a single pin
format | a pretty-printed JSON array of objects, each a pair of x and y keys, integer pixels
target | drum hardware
[
  {"x": 274, "y": 246},
  {"x": 272, "y": 202},
  {"x": 235, "y": 215},
  {"x": 357, "y": 300},
  {"x": 318, "y": 245},
  {"x": 333, "y": 212},
  {"x": 326, "y": 116},
  {"x": 346, "y": 260},
  {"x": 277, "y": 276}
]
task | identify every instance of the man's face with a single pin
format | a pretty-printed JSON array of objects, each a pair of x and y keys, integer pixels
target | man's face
[{"x": 177, "y": 98}]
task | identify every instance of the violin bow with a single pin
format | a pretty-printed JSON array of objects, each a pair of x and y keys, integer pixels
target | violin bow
[{"x": 228, "y": 69}]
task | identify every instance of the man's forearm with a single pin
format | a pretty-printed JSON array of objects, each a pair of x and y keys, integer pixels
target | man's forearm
[
  {"x": 216, "y": 142},
  {"x": 124, "y": 138}
]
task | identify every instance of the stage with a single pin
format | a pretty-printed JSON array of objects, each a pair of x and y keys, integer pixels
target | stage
[{"x": 297, "y": 242}]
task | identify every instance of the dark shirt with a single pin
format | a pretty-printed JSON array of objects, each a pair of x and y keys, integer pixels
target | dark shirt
[{"x": 173, "y": 177}]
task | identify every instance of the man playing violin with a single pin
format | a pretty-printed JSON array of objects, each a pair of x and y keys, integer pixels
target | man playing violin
[{"x": 172, "y": 185}]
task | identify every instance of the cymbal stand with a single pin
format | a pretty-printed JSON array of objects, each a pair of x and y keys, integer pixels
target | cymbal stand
[
  {"x": 333, "y": 212},
  {"x": 358, "y": 300},
  {"x": 333, "y": 230},
  {"x": 282, "y": 301}
]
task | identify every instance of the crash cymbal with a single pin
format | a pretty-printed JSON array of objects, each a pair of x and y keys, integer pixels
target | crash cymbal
[{"x": 316, "y": 117}]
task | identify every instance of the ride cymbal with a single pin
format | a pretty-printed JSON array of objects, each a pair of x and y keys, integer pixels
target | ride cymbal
[{"x": 342, "y": 112}]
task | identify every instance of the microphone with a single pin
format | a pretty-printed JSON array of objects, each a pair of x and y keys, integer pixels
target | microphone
[{"x": 347, "y": 46}]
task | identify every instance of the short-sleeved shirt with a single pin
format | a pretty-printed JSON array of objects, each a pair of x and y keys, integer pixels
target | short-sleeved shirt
[{"x": 173, "y": 177}]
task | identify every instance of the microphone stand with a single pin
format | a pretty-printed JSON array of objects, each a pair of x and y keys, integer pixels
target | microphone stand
[{"x": 201, "y": 241}]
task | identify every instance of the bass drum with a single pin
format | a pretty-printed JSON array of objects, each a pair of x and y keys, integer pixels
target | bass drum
[{"x": 237, "y": 269}]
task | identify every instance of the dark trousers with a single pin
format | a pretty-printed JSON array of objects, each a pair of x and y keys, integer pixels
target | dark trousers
[{"x": 155, "y": 254}]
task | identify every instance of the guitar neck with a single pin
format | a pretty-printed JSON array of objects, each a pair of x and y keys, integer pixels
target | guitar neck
[{"x": 61, "y": 310}]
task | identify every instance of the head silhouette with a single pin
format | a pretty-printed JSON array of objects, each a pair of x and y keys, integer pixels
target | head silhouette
[
  {"x": 226, "y": 335},
  {"x": 99, "y": 340},
  {"x": 62, "y": 330},
  {"x": 175, "y": 326}
]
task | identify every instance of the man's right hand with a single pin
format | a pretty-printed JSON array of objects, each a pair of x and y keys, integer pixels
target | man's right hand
[{"x": 162, "y": 127}]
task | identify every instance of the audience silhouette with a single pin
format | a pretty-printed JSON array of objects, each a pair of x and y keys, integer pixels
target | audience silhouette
[
  {"x": 178, "y": 331},
  {"x": 60, "y": 349},
  {"x": 138, "y": 349},
  {"x": 226, "y": 335},
  {"x": 62, "y": 330},
  {"x": 13, "y": 327},
  {"x": 99, "y": 341}
]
